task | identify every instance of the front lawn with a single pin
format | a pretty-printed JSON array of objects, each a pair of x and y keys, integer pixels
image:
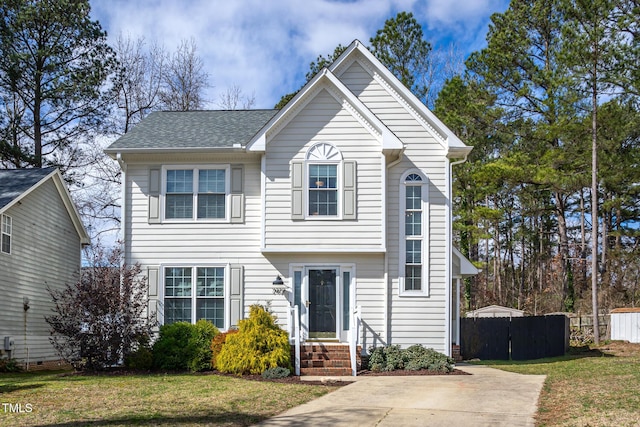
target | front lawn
[
  {"x": 158, "y": 399},
  {"x": 587, "y": 387}
]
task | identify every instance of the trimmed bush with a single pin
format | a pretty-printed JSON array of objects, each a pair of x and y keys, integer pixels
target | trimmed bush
[
  {"x": 260, "y": 344},
  {"x": 413, "y": 358},
  {"x": 427, "y": 358},
  {"x": 141, "y": 358},
  {"x": 276, "y": 373},
  {"x": 182, "y": 346},
  {"x": 217, "y": 343}
]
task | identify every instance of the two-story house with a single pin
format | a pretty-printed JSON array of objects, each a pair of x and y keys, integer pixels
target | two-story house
[
  {"x": 41, "y": 237},
  {"x": 342, "y": 199}
]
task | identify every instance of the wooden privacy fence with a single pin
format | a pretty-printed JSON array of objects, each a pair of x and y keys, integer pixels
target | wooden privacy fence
[{"x": 517, "y": 338}]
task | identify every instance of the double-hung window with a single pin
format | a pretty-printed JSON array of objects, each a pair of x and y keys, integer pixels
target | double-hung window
[
  {"x": 196, "y": 194},
  {"x": 412, "y": 269},
  {"x": 194, "y": 293},
  {"x": 5, "y": 232},
  {"x": 323, "y": 189}
]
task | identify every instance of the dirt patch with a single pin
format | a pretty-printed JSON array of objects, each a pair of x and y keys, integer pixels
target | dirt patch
[{"x": 620, "y": 348}]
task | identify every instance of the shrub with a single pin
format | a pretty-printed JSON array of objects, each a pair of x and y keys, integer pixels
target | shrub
[
  {"x": 413, "y": 358},
  {"x": 97, "y": 321},
  {"x": 200, "y": 346},
  {"x": 182, "y": 345},
  {"x": 427, "y": 358},
  {"x": 217, "y": 343},
  {"x": 260, "y": 344},
  {"x": 387, "y": 358},
  {"x": 141, "y": 358},
  {"x": 276, "y": 373},
  {"x": 10, "y": 365}
]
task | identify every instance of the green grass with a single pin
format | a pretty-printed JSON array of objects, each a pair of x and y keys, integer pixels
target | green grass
[
  {"x": 158, "y": 399},
  {"x": 598, "y": 387}
]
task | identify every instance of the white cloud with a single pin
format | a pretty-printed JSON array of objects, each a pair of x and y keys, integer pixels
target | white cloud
[{"x": 265, "y": 46}]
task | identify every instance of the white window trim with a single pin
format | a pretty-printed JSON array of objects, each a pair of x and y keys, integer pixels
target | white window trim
[
  {"x": 321, "y": 158},
  {"x": 194, "y": 266},
  {"x": 194, "y": 218},
  {"x": 402, "y": 255},
  {"x": 9, "y": 220}
]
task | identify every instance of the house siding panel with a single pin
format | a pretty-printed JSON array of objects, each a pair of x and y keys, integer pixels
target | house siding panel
[
  {"x": 413, "y": 319},
  {"x": 324, "y": 120},
  {"x": 45, "y": 253}
]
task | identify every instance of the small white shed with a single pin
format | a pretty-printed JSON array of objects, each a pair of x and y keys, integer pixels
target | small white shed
[
  {"x": 625, "y": 324},
  {"x": 496, "y": 311}
]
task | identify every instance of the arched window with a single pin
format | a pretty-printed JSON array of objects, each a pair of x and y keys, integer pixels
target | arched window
[{"x": 413, "y": 234}]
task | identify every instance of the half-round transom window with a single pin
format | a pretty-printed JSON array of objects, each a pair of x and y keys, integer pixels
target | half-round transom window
[
  {"x": 323, "y": 151},
  {"x": 414, "y": 177}
]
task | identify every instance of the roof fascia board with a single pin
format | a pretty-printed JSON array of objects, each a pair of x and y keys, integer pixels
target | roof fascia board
[
  {"x": 113, "y": 152},
  {"x": 400, "y": 92}
]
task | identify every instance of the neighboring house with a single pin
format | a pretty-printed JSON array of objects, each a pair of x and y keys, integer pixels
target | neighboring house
[
  {"x": 342, "y": 199},
  {"x": 495, "y": 311},
  {"x": 41, "y": 240}
]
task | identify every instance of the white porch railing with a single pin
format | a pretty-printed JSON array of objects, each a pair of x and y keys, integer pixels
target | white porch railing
[
  {"x": 294, "y": 334},
  {"x": 354, "y": 336}
]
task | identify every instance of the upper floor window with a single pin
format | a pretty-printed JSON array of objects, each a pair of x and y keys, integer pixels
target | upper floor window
[
  {"x": 413, "y": 194},
  {"x": 196, "y": 193},
  {"x": 5, "y": 232},
  {"x": 323, "y": 161}
]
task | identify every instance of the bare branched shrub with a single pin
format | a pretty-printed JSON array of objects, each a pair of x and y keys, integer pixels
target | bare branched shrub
[{"x": 100, "y": 320}]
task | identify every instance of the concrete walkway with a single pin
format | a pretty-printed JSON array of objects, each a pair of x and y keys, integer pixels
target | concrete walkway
[{"x": 488, "y": 397}]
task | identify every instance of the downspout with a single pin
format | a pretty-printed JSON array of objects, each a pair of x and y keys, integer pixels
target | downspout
[
  {"x": 123, "y": 205},
  {"x": 387, "y": 281},
  {"x": 448, "y": 250}
]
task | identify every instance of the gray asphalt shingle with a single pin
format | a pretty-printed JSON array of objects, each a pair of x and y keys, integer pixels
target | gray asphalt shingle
[
  {"x": 194, "y": 129},
  {"x": 14, "y": 182}
]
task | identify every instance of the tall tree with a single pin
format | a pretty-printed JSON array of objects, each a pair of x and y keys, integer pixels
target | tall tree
[
  {"x": 522, "y": 65},
  {"x": 138, "y": 81},
  {"x": 53, "y": 62},
  {"x": 589, "y": 57},
  {"x": 184, "y": 79},
  {"x": 401, "y": 46},
  {"x": 234, "y": 99}
]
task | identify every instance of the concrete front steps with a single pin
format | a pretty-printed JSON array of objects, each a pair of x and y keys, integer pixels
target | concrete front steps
[{"x": 326, "y": 359}]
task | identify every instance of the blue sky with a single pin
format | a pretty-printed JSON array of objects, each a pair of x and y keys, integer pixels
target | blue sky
[{"x": 265, "y": 46}]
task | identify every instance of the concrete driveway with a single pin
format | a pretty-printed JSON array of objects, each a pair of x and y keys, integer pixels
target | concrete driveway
[{"x": 488, "y": 397}]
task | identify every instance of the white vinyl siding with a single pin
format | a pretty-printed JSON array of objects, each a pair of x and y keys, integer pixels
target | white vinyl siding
[
  {"x": 421, "y": 319},
  {"x": 45, "y": 252},
  {"x": 360, "y": 227}
]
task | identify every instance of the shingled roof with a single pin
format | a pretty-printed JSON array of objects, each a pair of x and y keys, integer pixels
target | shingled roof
[
  {"x": 14, "y": 182},
  {"x": 193, "y": 129}
]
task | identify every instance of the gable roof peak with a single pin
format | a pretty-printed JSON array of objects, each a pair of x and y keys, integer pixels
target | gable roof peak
[{"x": 454, "y": 146}]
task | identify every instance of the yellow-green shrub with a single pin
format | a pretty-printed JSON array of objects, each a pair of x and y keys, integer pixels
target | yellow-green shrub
[
  {"x": 217, "y": 343},
  {"x": 260, "y": 344}
]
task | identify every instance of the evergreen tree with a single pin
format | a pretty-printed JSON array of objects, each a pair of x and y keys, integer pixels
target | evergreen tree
[{"x": 54, "y": 61}]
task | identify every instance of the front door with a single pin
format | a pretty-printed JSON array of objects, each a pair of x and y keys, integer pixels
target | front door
[{"x": 322, "y": 305}]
